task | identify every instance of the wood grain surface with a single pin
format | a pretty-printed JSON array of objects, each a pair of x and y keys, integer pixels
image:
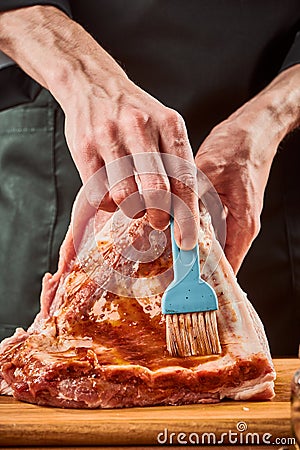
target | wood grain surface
[{"x": 22, "y": 424}]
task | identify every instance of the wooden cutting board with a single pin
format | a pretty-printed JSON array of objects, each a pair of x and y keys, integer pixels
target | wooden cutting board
[{"x": 23, "y": 424}]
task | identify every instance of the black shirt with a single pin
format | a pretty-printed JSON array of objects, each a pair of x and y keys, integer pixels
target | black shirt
[{"x": 202, "y": 57}]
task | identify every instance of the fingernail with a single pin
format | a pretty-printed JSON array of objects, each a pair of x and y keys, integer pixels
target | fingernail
[{"x": 188, "y": 243}]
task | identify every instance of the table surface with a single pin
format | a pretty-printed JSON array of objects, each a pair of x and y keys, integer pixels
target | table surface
[{"x": 23, "y": 424}]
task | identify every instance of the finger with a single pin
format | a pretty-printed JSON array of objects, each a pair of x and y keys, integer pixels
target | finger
[
  {"x": 97, "y": 191},
  {"x": 120, "y": 173},
  {"x": 122, "y": 185},
  {"x": 92, "y": 171},
  {"x": 182, "y": 171},
  {"x": 153, "y": 180},
  {"x": 85, "y": 210},
  {"x": 157, "y": 198},
  {"x": 240, "y": 235},
  {"x": 186, "y": 228}
]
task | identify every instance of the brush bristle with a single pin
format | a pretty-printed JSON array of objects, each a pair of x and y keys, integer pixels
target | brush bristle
[{"x": 192, "y": 334}]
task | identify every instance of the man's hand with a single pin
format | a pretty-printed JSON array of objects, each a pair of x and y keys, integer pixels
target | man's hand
[
  {"x": 238, "y": 153},
  {"x": 107, "y": 118}
]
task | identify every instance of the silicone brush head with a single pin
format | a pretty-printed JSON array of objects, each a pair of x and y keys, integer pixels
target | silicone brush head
[{"x": 190, "y": 305}]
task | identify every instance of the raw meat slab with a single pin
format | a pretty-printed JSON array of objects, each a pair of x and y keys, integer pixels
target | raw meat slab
[{"x": 99, "y": 339}]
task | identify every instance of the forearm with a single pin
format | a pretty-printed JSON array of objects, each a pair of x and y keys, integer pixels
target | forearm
[
  {"x": 276, "y": 109},
  {"x": 55, "y": 51},
  {"x": 283, "y": 99}
]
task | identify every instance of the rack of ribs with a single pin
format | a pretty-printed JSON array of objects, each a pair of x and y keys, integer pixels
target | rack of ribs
[{"x": 99, "y": 338}]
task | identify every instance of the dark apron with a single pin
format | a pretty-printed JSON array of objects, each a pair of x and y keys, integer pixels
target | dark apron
[{"x": 38, "y": 184}]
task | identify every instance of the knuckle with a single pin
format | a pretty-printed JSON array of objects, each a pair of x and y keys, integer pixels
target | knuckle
[
  {"x": 172, "y": 117},
  {"x": 207, "y": 164},
  {"x": 185, "y": 178},
  {"x": 137, "y": 118},
  {"x": 95, "y": 136},
  {"x": 156, "y": 183},
  {"x": 157, "y": 199},
  {"x": 175, "y": 133},
  {"x": 251, "y": 223},
  {"x": 87, "y": 141},
  {"x": 107, "y": 131},
  {"x": 152, "y": 197},
  {"x": 255, "y": 227},
  {"x": 186, "y": 219},
  {"x": 120, "y": 193},
  {"x": 115, "y": 150}
]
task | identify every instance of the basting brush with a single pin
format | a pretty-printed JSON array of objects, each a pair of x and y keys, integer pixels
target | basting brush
[{"x": 190, "y": 305}]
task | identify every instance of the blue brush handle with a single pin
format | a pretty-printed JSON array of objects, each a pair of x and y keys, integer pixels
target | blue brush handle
[
  {"x": 188, "y": 292},
  {"x": 186, "y": 263}
]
